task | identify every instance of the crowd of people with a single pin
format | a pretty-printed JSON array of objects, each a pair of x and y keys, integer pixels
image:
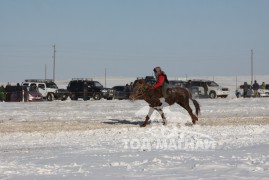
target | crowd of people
[
  {"x": 15, "y": 93},
  {"x": 255, "y": 86},
  {"x": 11, "y": 93}
]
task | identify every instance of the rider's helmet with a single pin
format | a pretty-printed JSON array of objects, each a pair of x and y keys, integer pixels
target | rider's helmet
[{"x": 157, "y": 70}]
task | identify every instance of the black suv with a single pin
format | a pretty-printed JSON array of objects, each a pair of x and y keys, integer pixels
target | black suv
[
  {"x": 150, "y": 80},
  {"x": 95, "y": 90}
]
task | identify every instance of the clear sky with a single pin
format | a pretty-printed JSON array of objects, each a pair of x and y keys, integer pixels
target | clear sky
[{"x": 131, "y": 37}]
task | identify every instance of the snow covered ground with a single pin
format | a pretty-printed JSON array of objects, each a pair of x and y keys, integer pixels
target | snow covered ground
[{"x": 103, "y": 140}]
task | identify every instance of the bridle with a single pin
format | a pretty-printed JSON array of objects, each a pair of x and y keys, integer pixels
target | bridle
[{"x": 139, "y": 90}]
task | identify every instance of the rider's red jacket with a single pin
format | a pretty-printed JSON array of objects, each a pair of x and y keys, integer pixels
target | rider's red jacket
[{"x": 160, "y": 81}]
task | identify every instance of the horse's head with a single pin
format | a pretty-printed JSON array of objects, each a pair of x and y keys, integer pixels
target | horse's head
[{"x": 139, "y": 89}]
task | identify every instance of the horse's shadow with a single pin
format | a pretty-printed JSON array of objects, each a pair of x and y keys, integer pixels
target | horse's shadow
[
  {"x": 118, "y": 121},
  {"x": 134, "y": 123}
]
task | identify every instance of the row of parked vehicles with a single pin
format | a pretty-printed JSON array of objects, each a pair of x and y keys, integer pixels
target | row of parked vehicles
[
  {"x": 262, "y": 92},
  {"x": 33, "y": 90},
  {"x": 198, "y": 87},
  {"x": 38, "y": 90},
  {"x": 203, "y": 88}
]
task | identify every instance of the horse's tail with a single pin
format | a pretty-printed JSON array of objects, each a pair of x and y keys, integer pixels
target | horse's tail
[{"x": 197, "y": 106}]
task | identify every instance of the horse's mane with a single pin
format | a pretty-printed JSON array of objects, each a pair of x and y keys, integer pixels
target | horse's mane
[{"x": 141, "y": 81}]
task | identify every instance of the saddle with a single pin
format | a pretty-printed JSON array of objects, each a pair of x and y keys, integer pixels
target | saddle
[{"x": 166, "y": 90}]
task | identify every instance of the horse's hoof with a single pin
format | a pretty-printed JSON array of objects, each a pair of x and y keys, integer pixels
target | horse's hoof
[{"x": 142, "y": 125}]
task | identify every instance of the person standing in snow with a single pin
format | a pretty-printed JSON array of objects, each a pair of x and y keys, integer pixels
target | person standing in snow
[
  {"x": 131, "y": 86},
  {"x": 85, "y": 91},
  {"x": 2, "y": 93},
  {"x": 263, "y": 86},
  {"x": 189, "y": 86},
  {"x": 245, "y": 89},
  {"x": 255, "y": 88},
  {"x": 19, "y": 92}
]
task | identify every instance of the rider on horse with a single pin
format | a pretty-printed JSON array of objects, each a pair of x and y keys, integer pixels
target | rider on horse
[{"x": 162, "y": 80}]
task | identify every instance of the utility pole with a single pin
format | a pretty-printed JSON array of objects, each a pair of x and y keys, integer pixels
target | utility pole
[
  {"x": 251, "y": 66},
  {"x": 54, "y": 52},
  {"x": 105, "y": 77},
  {"x": 45, "y": 71},
  {"x": 235, "y": 82}
]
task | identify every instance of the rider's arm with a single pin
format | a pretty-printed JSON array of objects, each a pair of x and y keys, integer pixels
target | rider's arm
[{"x": 159, "y": 82}]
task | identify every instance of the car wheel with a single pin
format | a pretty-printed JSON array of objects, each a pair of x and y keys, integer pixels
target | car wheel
[
  {"x": 50, "y": 97},
  {"x": 73, "y": 97},
  {"x": 212, "y": 95},
  {"x": 96, "y": 96}
]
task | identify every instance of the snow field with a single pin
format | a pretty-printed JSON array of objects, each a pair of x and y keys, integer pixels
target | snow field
[{"x": 103, "y": 140}]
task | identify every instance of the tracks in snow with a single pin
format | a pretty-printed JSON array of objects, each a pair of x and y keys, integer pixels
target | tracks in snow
[{"x": 83, "y": 125}]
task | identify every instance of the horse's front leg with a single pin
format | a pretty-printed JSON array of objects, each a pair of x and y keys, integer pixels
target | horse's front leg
[
  {"x": 160, "y": 110},
  {"x": 147, "y": 117}
]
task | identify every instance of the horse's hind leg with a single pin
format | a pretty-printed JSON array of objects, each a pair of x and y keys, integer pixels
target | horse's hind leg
[
  {"x": 188, "y": 108},
  {"x": 160, "y": 110},
  {"x": 147, "y": 117}
]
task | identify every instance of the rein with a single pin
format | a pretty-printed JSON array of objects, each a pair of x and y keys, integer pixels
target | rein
[{"x": 142, "y": 92}]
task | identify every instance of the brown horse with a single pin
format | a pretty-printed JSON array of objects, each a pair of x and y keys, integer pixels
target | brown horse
[{"x": 179, "y": 95}]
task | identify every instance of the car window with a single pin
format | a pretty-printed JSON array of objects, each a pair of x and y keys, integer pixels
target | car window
[
  {"x": 32, "y": 89},
  {"x": 212, "y": 84},
  {"x": 97, "y": 84},
  {"x": 51, "y": 85},
  {"x": 73, "y": 84},
  {"x": 151, "y": 82},
  {"x": 80, "y": 85},
  {"x": 176, "y": 83},
  {"x": 42, "y": 86},
  {"x": 119, "y": 88},
  {"x": 195, "y": 83}
]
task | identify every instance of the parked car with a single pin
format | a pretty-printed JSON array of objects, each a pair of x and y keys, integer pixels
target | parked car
[
  {"x": 23, "y": 93},
  {"x": 210, "y": 89},
  {"x": 177, "y": 83},
  {"x": 48, "y": 89},
  {"x": 95, "y": 89},
  {"x": 250, "y": 93},
  {"x": 180, "y": 83},
  {"x": 120, "y": 92},
  {"x": 30, "y": 93},
  {"x": 149, "y": 79}
]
